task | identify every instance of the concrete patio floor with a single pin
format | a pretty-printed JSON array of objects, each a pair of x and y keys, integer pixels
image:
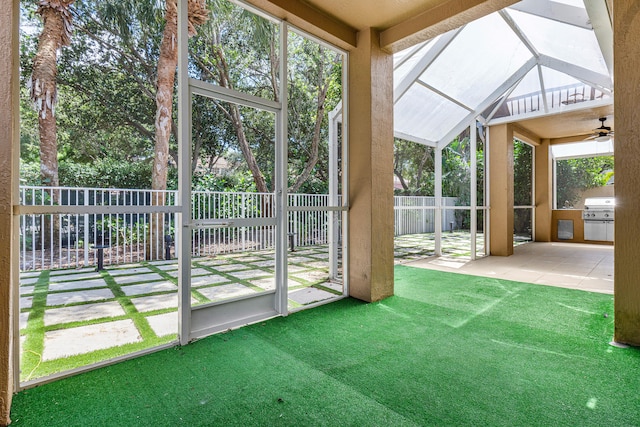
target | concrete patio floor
[{"x": 569, "y": 265}]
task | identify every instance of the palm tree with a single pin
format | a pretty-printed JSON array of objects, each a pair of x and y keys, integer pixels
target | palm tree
[
  {"x": 167, "y": 63},
  {"x": 43, "y": 89}
]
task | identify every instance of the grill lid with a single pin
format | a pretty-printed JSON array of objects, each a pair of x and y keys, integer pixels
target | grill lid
[{"x": 599, "y": 203}]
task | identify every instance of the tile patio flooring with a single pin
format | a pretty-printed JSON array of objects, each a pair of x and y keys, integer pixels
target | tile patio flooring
[{"x": 569, "y": 265}]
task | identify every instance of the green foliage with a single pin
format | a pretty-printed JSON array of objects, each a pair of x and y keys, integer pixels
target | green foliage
[
  {"x": 237, "y": 182},
  {"x": 116, "y": 228},
  {"x": 103, "y": 173},
  {"x": 106, "y": 84},
  {"x": 573, "y": 176},
  {"x": 522, "y": 187}
]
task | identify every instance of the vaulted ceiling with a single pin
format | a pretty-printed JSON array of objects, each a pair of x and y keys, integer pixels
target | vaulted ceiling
[{"x": 558, "y": 59}]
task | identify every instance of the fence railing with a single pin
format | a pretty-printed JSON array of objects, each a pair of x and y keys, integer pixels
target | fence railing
[
  {"x": 138, "y": 230},
  {"x": 417, "y": 214},
  {"x": 555, "y": 98}
]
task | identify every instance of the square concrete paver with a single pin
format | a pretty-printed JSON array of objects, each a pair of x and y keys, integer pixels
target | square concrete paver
[
  {"x": 85, "y": 339},
  {"x": 335, "y": 286},
  {"x": 69, "y": 277},
  {"x": 23, "y": 318},
  {"x": 71, "y": 271},
  {"x": 312, "y": 276},
  {"x": 167, "y": 267},
  {"x": 148, "y": 288},
  {"x": 269, "y": 264},
  {"x": 194, "y": 272},
  {"x": 164, "y": 324},
  {"x": 82, "y": 296},
  {"x": 155, "y": 302},
  {"x": 231, "y": 267},
  {"x": 26, "y": 302},
  {"x": 29, "y": 274},
  {"x": 24, "y": 290},
  {"x": 165, "y": 262},
  {"x": 266, "y": 284},
  {"x": 300, "y": 260},
  {"x": 123, "y": 280},
  {"x": 248, "y": 274},
  {"x": 211, "y": 261},
  {"x": 28, "y": 281},
  {"x": 129, "y": 271},
  {"x": 81, "y": 284},
  {"x": 78, "y": 313},
  {"x": 212, "y": 279},
  {"x": 221, "y": 292},
  {"x": 309, "y": 295}
]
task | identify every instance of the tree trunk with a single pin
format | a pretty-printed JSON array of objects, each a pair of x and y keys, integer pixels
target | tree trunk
[
  {"x": 315, "y": 142},
  {"x": 236, "y": 120},
  {"x": 56, "y": 33},
  {"x": 167, "y": 63}
]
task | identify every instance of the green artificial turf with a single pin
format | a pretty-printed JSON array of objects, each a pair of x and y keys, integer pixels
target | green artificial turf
[{"x": 446, "y": 350}]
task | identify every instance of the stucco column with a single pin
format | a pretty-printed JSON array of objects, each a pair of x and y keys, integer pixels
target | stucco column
[
  {"x": 370, "y": 128},
  {"x": 501, "y": 189},
  {"x": 627, "y": 151},
  {"x": 9, "y": 147},
  {"x": 544, "y": 191}
]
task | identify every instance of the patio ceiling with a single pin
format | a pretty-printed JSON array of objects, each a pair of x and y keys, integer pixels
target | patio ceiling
[{"x": 544, "y": 64}]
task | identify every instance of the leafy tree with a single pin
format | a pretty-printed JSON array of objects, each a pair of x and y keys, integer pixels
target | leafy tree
[
  {"x": 413, "y": 164},
  {"x": 574, "y": 176},
  {"x": 522, "y": 186}
]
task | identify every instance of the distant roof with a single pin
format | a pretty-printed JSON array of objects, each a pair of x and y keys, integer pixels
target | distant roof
[{"x": 534, "y": 58}]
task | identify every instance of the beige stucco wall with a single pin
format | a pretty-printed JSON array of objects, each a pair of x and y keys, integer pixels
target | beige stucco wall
[
  {"x": 544, "y": 191},
  {"x": 9, "y": 143},
  {"x": 370, "y": 127},
  {"x": 501, "y": 189},
  {"x": 627, "y": 154}
]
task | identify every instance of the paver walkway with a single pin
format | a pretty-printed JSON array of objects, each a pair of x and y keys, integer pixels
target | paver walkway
[
  {"x": 71, "y": 318},
  {"x": 80, "y": 315}
]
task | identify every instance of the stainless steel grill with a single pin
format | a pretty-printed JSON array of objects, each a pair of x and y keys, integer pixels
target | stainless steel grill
[{"x": 598, "y": 216}]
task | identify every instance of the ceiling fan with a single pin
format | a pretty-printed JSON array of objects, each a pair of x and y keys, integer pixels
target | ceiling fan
[{"x": 603, "y": 133}]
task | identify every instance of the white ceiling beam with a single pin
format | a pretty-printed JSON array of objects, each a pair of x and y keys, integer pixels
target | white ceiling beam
[
  {"x": 600, "y": 81},
  {"x": 427, "y": 59},
  {"x": 603, "y": 28},
  {"x": 444, "y": 95},
  {"x": 559, "y": 12},
  {"x": 413, "y": 138},
  {"x": 516, "y": 29},
  {"x": 543, "y": 90},
  {"x": 586, "y": 105},
  {"x": 500, "y": 104},
  {"x": 513, "y": 80}
]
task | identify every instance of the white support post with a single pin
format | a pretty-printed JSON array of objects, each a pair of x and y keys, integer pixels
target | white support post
[
  {"x": 487, "y": 194},
  {"x": 438, "y": 195},
  {"x": 183, "y": 218},
  {"x": 86, "y": 229},
  {"x": 281, "y": 195},
  {"x": 334, "y": 225},
  {"x": 473, "y": 132}
]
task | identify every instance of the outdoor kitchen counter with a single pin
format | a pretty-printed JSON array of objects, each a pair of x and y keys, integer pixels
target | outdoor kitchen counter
[{"x": 574, "y": 215}]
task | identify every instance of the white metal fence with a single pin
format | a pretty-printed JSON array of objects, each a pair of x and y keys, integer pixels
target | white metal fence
[
  {"x": 416, "y": 214},
  {"x": 70, "y": 240}
]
